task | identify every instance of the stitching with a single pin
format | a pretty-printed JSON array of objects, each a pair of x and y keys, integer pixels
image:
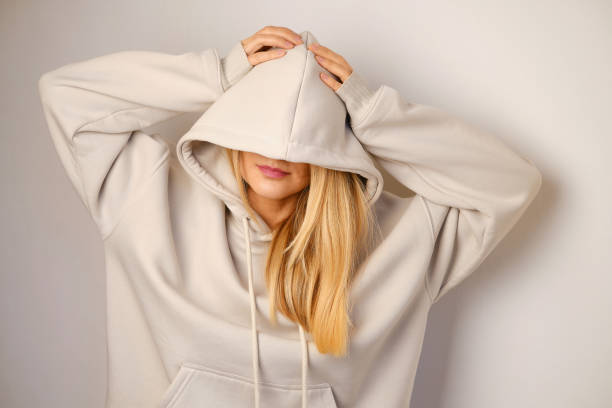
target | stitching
[
  {"x": 219, "y": 73},
  {"x": 433, "y": 243},
  {"x": 135, "y": 194},
  {"x": 480, "y": 239},
  {"x": 131, "y": 108},
  {"x": 371, "y": 108},
  {"x": 236, "y": 377},
  {"x": 80, "y": 177},
  {"x": 297, "y": 102},
  {"x": 179, "y": 391},
  {"x": 288, "y": 143},
  {"x": 328, "y": 151},
  {"x": 429, "y": 217}
]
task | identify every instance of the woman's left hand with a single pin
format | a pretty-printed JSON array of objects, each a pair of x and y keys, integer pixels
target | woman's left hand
[{"x": 332, "y": 62}]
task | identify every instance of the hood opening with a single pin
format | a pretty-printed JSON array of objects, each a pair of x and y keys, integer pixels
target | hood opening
[{"x": 280, "y": 109}]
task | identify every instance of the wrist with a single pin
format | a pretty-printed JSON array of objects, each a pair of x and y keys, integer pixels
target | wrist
[{"x": 358, "y": 97}]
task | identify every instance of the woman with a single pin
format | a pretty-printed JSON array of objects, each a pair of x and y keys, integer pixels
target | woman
[{"x": 266, "y": 227}]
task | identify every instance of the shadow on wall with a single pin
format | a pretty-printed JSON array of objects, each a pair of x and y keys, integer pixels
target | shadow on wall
[{"x": 444, "y": 319}]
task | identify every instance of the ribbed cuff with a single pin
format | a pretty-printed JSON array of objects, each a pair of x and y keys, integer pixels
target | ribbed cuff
[
  {"x": 234, "y": 66},
  {"x": 357, "y": 96}
]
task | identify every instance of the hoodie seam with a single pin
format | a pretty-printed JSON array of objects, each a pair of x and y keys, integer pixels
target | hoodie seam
[
  {"x": 72, "y": 144},
  {"x": 190, "y": 154},
  {"x": 84, "y": 127},
  {"x": 370, "y": 108},
  {"x": 297, "y": 102},
  {"x": 134, "y": 195},
  {"x": 237, "y": 377},
  {"x": 219, "y": 73},
  {"x": 433, "y": 243},
  {"x": 479, "y": 239},
  {"x": 329, "y": 151}
]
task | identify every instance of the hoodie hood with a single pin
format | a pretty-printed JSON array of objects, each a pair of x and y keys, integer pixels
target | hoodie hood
[{"x": 282, "y": 110}]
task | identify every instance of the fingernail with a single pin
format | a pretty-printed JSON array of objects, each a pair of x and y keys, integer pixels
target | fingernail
[
  {"x": 279, "y": 52},
  {"x": 324, "y": 75},
  {"x": 288, "y": 44},
  {"x": 298, "y": 38}
]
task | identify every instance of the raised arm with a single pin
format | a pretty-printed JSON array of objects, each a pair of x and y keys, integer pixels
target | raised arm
[
  {"x": 95, "y": 110},
  {"x": 473, "y": 186}
]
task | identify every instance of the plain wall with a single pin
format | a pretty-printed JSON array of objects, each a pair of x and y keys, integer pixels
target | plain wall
[{"x": 530, "y": 328}]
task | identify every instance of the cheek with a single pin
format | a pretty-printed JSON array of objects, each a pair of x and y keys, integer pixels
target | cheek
[
  {"x": 305, "y": 174},
  {"x": 302, "y": 178},
  {"x": 247, "y": 166}
]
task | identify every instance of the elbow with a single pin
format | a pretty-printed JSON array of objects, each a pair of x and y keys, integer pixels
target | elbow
[
  {"x": 531, "y": 183},
  {"x": 534, "y": 182},
  {"x": 46, "y": 84},
  {"x": 527, "y": 187},
  {"x": 506, "y": 215}
]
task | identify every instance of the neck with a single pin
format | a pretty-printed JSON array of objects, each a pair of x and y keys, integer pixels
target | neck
[{"x": 273, "y": 211}]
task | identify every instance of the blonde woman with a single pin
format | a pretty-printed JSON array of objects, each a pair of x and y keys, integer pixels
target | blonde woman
[{"x": 258, "y": 261}]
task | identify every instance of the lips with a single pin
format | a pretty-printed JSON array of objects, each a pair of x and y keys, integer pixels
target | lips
[{"x": 273, "y": 172}]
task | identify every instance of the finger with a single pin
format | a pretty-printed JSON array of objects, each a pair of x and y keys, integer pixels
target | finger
[
  {"x": 284, "y": 32},
  {"x": 340, "y": 70},
  {"x": 264, "y": 56},
  {"x": 329, "y": 81},
  {"x": 325, "y": 52},
  {"x": 259, "y": 41}
]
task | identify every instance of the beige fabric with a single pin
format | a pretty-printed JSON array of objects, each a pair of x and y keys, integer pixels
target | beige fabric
[{"x": 187, "y": 322}]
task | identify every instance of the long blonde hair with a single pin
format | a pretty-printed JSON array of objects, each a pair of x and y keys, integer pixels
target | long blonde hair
[{"x": 314, "y": 253}]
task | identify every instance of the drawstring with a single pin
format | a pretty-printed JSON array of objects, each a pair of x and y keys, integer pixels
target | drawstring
[
  {"x": 255, "y": 344},
  {"x": 304, "y": 365}
]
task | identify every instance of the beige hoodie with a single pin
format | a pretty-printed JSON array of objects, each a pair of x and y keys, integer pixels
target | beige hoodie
[{"x": 187, "y": 304}]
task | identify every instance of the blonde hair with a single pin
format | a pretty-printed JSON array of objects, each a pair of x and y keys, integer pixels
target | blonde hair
[{"x": 314, "y": 253}]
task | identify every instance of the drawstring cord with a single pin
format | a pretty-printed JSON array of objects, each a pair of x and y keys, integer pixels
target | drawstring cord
[
  {"x": 304, "y": 365},
  {"x": 255, "y": 344}
]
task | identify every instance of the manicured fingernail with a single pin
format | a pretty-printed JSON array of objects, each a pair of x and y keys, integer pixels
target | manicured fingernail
[
  {"x": 324, "y": 75},
  {"x": 288, "y": 44},
  {"x": 279, "y": 52},
  {"x": 298, "y": 38}
]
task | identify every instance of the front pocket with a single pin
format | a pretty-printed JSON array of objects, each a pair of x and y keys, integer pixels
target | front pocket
[{"x": 196, "y": 385}]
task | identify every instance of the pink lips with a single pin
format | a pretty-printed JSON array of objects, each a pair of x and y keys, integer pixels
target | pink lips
[{"x": 272, "y": 171}]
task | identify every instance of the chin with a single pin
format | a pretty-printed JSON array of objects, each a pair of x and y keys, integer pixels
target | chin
[{"x": 273, "y": 192}]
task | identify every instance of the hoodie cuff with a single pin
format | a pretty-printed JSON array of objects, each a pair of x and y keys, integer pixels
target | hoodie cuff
[
  {"x": 234, "y": 66},
  {"x": 357, "y": 96}
]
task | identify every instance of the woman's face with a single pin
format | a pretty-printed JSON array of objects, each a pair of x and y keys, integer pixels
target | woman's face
[{"x": 259, "y": 172}]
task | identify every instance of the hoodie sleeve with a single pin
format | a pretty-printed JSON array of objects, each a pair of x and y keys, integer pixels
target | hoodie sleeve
[
  {"x": 473, "y": 187},
  {"x": 95, "y": 110}
]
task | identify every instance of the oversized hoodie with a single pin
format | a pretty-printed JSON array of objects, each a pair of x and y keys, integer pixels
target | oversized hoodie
[{"x": 187, "y": 305}]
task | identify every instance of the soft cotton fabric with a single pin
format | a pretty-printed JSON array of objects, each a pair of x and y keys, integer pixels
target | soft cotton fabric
[{"x": 187, "y": 304}]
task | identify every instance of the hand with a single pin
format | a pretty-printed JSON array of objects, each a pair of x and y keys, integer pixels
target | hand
[
  {"x": 258, "y": 46},
  {"x": 332, "y": 62}
]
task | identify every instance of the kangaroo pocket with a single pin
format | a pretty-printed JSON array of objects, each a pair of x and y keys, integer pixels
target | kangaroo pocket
[{"x": 196, "y": 386}]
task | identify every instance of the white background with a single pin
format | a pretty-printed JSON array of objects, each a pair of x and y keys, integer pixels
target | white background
[{"x": 530, "y": 328}]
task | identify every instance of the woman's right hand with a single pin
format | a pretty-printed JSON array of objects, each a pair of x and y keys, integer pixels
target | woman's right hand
[{"x": 258, "y": 46}]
